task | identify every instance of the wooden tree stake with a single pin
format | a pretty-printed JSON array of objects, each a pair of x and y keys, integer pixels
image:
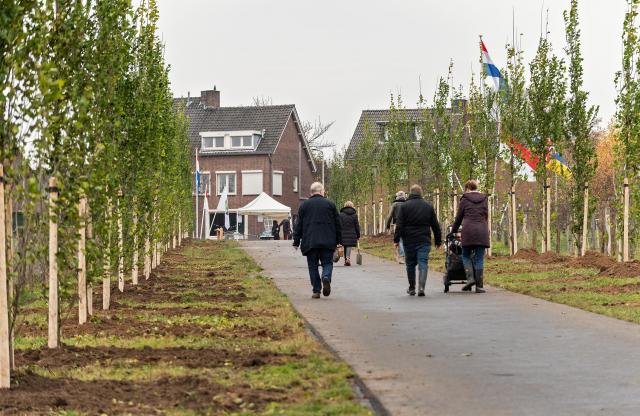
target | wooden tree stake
[
  {"x": 585, "y": 219},
  {"x": 625, "y": 222},
  {"x": 547, "y": 237},
  {"x": 489, "y": 216},
  {"x": 134, "y": 266},
  {"x": 514, "y": 223},
  {"x": 373, "y": 211},
  {"x": 106, "y": 278},
  {"x": 366, "y": 228},
  {"x": 5, "y": 341},
  {"x": 54, "y": 310},
  {"x": 120, "y": 245},
  {"x": 82, "y": 262}
]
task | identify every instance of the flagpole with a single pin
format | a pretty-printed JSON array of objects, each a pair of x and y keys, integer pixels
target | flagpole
[{"x": 197, "y": 235}]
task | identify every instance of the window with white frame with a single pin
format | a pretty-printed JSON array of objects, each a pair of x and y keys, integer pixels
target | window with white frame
[
  {"x": 205, "y": 183},
  {"x": 227, "y": 179},
  {"x": 277, "y": 183},
  {"x": 252, "y": 182},
  {"x": 230, "y": 140},
  {"x": 295, "y": 183}
]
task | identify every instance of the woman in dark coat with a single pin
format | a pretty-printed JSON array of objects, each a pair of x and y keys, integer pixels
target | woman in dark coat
[
  {"x": 275, "y": 230},
  {"x": 473, "y": 215},
  {"x": 350, "y": 230}
]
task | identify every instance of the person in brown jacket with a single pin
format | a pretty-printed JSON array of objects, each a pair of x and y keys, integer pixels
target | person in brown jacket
[{"x": 473, "y": 215}]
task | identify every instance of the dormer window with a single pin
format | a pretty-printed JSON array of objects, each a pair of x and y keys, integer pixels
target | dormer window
[{"x": 230, "y": 140}]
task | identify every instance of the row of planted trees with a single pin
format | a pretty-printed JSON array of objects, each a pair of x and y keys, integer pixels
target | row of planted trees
[
  {"x": 96, "y": 160},
  {"x": 542, "y": 107}
]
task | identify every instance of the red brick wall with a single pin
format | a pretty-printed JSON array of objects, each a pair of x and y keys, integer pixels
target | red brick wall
[{"x": 285, "y": 159}]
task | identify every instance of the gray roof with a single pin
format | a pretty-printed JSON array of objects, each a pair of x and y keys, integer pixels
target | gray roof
[
  {"x": 272, "y": 119},
  {"x": 375, "y": 120}
]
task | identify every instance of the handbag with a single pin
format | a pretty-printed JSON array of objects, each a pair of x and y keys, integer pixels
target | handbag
[
  {"x": 359, "y": 256},
  {"x": 339, "y": 252}
]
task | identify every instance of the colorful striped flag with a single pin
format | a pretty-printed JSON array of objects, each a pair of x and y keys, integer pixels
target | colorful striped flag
[{"x": 490, "y": 69}]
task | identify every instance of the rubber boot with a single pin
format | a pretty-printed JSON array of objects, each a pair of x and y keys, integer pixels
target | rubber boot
[
  {"x": 468, "y": 271},
  {"x": 422, "y": 282},
  {"x": 411, "y": 275},
  {"x": 479, "y": 281}
]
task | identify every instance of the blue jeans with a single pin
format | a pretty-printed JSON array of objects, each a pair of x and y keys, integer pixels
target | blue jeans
[
  {"x": 315, "y": 258},
  {"x": 416, "y": 255},
  {"x": 473, "y": 257}
]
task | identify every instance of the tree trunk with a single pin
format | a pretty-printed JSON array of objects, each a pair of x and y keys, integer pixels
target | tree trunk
[
  {"x": 625, "y": 223},
  {"x": 106, "y": 278},
  {"x": 585, "y": 220},
  {"x": 134, "y": 265}
]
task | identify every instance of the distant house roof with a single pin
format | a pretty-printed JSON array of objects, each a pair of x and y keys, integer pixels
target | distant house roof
[
  {"x": 376, "y": 120},
  {"x": 270, "y": 119}
]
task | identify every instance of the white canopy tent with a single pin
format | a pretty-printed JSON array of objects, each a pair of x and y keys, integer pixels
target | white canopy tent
[{"x": 266, "y": 206}]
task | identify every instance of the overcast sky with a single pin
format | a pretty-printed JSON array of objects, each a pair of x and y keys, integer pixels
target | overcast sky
[{"x": 334, "y": 58}]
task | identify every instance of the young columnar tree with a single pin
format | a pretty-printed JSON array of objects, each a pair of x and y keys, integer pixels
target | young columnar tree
[
  {"x": 580, "y": 120},
  {"x": 546, "y": 95},
  {"x": 628, "y": 106}
]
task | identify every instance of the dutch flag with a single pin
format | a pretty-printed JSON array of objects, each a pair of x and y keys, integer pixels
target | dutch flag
[{"x": 490, "y": 69}]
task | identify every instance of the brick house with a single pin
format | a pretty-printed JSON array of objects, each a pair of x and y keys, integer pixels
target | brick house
[{"x": 250, "y": 150}]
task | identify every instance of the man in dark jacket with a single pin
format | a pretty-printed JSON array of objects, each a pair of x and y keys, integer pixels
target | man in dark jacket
[
  {"x": 473, "y": 214},
  {"x": 317, "y": 233},
  {"x": 416, "y": 219},
  {"x": 392, "y": 218}
]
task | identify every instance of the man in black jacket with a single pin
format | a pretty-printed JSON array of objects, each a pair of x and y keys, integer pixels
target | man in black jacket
[
  {"x": 317, "y": 233},
  {"x": 414, "y": 223}
]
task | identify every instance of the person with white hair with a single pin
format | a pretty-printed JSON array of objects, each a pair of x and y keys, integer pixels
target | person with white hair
[{"x": 317, "y": 233}]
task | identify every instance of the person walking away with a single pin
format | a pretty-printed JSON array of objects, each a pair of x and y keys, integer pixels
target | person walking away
[
  {"x": 286, "y": 228},
  {"x": 275, "y": 230},
  {"x": 415, "y": 221},
  {"x": 473, "y": 215},
  {"x": 350, "y": 230},
  {"x": 391, "y": 219},
  {"x": 317, "y": 233}
]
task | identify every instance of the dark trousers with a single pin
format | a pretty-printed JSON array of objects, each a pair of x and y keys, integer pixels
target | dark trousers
[
  {"x": 416, "y": 255},
  {"x": 315, "y": 258}
]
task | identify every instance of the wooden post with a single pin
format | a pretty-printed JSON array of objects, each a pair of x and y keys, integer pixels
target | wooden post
[
  {"x": 585, "y": 219},
  {"x": 455, "y": 202},
  {"x": 54, "y": 311},
  {"x": 106, "y": 278},
  {"x": 89, "y": 286},
  {"x": 373, "y": 213},
  {"x": 5, "y": 340},
  {"x": 625, "y": 222},
  {"x": 134, "y": 265},
  {"x": 8, "y": 220},
  {"x": 514, "y": 223},
  {"x": 607, "y": 224},
  {"x": 489, "y": 216},
  {"x": 82, "y": 262},
  {"x": 366, "y": 229},
  {"x": 438, "y": 205},
  {"x": 120, "y": 245},
  {"x": 381, "y": 216},
  {"x": 547, "y": 237},
  {"x": 147, "y": 255}
]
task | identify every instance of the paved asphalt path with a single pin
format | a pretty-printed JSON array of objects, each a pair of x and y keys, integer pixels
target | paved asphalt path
[{"x": 464, "y": 354}]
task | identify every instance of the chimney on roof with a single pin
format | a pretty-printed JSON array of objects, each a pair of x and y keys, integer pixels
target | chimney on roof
[
  {"x": 210, "y": 98},
  {"x": 459, "y": 105}
]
